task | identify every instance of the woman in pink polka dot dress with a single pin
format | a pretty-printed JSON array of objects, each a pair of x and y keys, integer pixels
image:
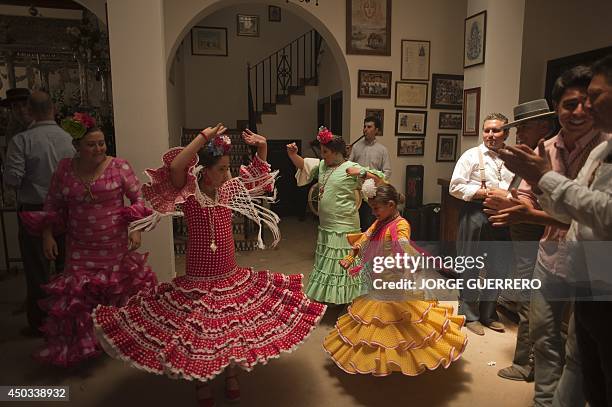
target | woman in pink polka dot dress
[
  {"x": 85, "y": 200},
  {"x": 219, "y": 315}
]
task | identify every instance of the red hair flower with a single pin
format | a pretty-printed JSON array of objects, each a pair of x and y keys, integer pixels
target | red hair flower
[
  {"x": 85, "y": 119},
  {"x": 324, "y": 136}
]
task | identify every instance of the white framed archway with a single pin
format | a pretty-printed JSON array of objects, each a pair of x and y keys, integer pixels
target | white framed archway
[{"x": 178, "y": 22}]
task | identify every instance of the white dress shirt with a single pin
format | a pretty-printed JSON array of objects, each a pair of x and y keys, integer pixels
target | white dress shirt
[{"x": 465, "y": 181}]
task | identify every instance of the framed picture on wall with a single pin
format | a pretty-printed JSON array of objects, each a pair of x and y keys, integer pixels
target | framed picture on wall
[
  {"x": 380, "y": 113},
  {"x": 447, "y": 148},
  {"x": 474, "y": 38},
  {"x": 211, "y": 41},
  {"x": 446, "y": 91},
  {"x": 247, "y": 25},
  {"x": 410, "y": 122},
  {"x": 471, "y": 112},
  {"x": 374, "y": 84},
  {"x": 411, "y": 94},
  {"x": 415, "y": 60},
  {"x": 368, "y": 27},
  {"x": 410, "y": 146},
  {"x": 274, "y": 14},
  {"x": 449, "y": 121}
]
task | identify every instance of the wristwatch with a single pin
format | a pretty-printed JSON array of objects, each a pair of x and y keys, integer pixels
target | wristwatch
[{"x": 362, "y": 173}]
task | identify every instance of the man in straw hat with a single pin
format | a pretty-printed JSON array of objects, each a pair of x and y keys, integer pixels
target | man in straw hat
[{"x": 533, "y": 121}]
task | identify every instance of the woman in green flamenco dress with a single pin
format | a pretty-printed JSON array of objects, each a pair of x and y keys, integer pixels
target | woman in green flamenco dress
[{"x": 338, "y": 216}]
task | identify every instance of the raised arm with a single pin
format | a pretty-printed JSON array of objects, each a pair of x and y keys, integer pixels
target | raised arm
[
  {"x": 296, "y": 159},
  {"x": 178, "y": 174}
]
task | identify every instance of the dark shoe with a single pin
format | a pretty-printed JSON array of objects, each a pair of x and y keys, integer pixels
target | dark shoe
[
  {"x": 512, "y": 373},
  {"x": 204, "y": 395},
  {"x": 232, "y": 395},
  {"x": 476, "y": 327},
  {"x": 495, "y": 325}
]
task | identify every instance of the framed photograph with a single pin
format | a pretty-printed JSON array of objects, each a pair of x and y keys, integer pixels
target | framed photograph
[
  {"x": 247, "y": 25},
  {"x": 449, "y": 121},
  {"x": 474, "y": 39},
  {"x": 374, "y": 84},
  {"x": 410, "y": 122},
  {"x": 274, "y": 14},
  {"x": 471, "y": 112},
  {"x": 415, "y": 60},
  {"x": 410, "y": 146},
  {"x": 210, "y": 41},
  {"x": 446, "y": 91},
  {"x": 380, "y": 113},
  {"x": 368, "y": 27},
  {"x": 411, "y": 94},
  {"x": 447, "y": 148}
]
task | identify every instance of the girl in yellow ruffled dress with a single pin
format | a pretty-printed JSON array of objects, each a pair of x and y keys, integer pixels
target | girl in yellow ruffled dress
[{"x": 392, "y": 330}]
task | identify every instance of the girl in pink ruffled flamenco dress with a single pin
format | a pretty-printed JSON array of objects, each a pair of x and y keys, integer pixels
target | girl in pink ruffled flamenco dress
[
  {"x": 85, "y": 200},
  {"x": 218, "y": 316}
]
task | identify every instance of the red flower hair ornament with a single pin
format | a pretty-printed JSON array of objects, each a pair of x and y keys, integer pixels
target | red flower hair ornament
[{"x": 324, "y": 136}]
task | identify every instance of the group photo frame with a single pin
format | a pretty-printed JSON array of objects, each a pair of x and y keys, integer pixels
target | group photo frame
[
  {"x": 450, "y": 121},
  {"x": 368, "y": 27},
  {"x": 446, "y": 91},
  {"x": 209, "y": 41},
  {"x": 374, "y": 84},
  {"x": 415, "y": 60},
  {"x": 410, "y": 147},
  {"x": 446, "y": 150},
  {"x": 410, "y": 123}
]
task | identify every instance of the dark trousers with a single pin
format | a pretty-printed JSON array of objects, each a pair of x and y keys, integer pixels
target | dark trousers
[
  {"x": 36, "y": 268},
  {"x": 366, "y": 218},
  {"x": 594, "y": 336},
  {"x": 475, "y": 238}
]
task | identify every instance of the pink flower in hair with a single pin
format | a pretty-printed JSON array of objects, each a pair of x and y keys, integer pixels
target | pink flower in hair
[
  {"x": 85, "y": 119},
  {"x": 324, "y": 136}
]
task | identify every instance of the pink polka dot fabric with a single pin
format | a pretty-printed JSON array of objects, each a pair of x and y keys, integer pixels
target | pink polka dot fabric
[
  {"x": 99, "y": 268},
  {"x": 218, "y": 313}
]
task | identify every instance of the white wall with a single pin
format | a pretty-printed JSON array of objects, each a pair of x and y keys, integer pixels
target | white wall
[
  {"x": 176, "y": 95},
  {"x": 500, "y": 75},
  {"x": 440, "y": 21},
  {"x": 216, "y": 89},
  {"x": 329, "y": 76},
  {"x": 570, "y": 27},
  {"x": 140, "y": 103}
]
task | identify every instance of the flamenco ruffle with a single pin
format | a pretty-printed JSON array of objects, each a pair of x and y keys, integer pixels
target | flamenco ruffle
[
  {"x": 160, "y": 192},
  {"x": 194, "y": 328},
  {"x": 72, "y": 296},
  {"x": 379, "y": 338},
  {"x": 329, "y": 282}
]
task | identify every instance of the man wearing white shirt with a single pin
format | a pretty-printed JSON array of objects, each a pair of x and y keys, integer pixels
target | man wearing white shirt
[
  {"x": 479, "y": 173},
  {"x": 371, "y": 154}
]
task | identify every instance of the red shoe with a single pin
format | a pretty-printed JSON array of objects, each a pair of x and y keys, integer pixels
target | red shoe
[
  {"x": 232, "y": 395},
  {"x": 204, "y": 401}
]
